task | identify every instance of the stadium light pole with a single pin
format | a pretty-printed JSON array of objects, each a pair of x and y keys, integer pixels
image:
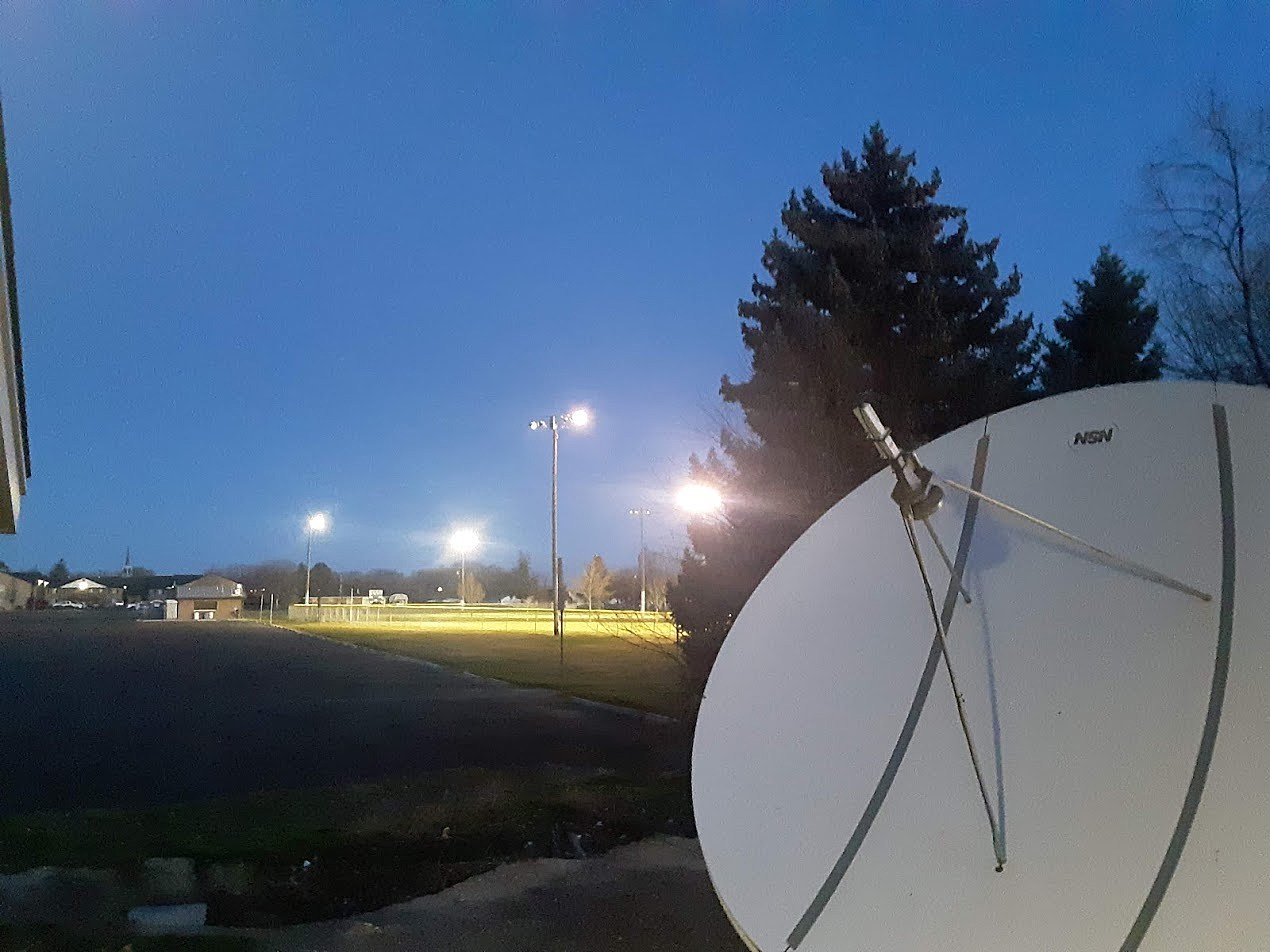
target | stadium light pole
[
  {"x": 317, "y": 522},
  {"x": 463, "y": 541},
  {"x": 578, "y": 418},
  {"x": 643, "y": 559}
]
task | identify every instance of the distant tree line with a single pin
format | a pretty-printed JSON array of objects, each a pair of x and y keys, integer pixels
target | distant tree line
[
  {"x": 598, "y": 585},
  {"x": 874, "y": 290}
]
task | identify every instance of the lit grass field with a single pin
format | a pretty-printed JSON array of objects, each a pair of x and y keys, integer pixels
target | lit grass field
[
  {"x": 505, "y": 619},
  {"x": 615, "y": 660}
]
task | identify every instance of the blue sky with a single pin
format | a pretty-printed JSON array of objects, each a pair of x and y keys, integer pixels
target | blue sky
[{"x": 280, "y": 257}]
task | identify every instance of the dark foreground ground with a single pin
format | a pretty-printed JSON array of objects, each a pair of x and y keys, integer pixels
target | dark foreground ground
[
  {"x": 99, "y": 710},
  {"x": 652, "y": 896}
]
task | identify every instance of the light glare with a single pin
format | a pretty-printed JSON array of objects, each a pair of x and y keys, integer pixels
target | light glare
[
  {"x": 318, "y": 522},
  {"x": 463, "y": 541},
  {"x": 579, "y": 417},
  {"x": 699, "y": 499}
]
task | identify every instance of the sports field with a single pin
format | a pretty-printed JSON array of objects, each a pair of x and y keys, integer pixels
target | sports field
[{"x": 615, "y": 657}]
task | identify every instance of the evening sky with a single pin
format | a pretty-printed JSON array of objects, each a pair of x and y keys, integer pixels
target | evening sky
[{"x": 281, "y": 257}]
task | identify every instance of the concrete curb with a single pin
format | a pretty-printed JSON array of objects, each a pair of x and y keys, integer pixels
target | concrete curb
[{"x": 435, "y": 666}]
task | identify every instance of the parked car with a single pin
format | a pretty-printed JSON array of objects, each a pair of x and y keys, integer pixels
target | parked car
[
  {"x": 65, "y": 604},
  {"x": 398, "y": 599}
]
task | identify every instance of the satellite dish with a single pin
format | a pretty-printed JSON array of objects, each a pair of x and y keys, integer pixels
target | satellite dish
[{"x": 1113, "y": 664}]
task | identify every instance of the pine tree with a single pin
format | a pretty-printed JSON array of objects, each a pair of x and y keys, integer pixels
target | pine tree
[
  {"x": 59, "y": 574},
  {"x": 1107, "y": 335},
  {"x": 878, "y": 294}
]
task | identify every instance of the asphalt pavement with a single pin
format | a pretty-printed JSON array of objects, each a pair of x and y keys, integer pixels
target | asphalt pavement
[{"x": 100, "y": 710}]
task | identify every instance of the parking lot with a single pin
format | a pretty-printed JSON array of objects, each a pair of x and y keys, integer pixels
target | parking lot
[{"x": 98, "y": 709}]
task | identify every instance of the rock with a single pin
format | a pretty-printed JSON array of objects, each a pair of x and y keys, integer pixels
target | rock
[
  {"x": 183, "y": 919},
  {"x": 230, "y": 879},
  {"x": 48, "y": 894},
  {"x": 170, "y": 879}
]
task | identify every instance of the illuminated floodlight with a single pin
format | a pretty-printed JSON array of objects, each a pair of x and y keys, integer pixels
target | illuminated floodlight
[
  {"x": 578, "y": 417},
  {"x": 699, "y": 499},
  {"x": 464, "y": 541},
  {"x": 318, "y": 522}
]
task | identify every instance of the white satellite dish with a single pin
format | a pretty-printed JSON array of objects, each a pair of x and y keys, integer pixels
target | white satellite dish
[{"x": 1114, "y": 662}]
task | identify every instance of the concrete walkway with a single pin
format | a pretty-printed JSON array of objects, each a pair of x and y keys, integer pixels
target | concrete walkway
[{"x": 651, "y": 896}]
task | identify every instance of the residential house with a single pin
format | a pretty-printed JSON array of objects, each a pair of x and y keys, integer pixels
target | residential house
[{"x": 88, "y": 591}]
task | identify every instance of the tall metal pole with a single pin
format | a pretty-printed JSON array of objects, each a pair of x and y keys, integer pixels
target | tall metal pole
[
  {"x": 643, "y": 565},
  {"x": 308, "y": 565},
  {"x": 557, "y": 622},
  {"x": 462, "y": 580},
  {"x": 643, "y": 559}
]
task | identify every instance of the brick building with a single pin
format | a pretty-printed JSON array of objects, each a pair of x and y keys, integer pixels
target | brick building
[{"x": 210, "y": 598}]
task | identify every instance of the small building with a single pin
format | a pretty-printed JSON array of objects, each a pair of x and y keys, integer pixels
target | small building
[
  {"x": 210, "y": 598},
  {"x": 41, "y": 590}
]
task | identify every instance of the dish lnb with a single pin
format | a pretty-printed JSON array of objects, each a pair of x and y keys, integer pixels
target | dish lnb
[{"x": 913, "y": 491}]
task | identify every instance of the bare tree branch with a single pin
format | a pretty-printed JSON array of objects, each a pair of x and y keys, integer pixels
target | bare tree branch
[{"x": 1208, "y": 219}]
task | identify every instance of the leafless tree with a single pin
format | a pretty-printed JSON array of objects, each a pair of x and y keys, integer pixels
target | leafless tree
[
  {"x": 471, "y": 590},
  {"x": 1208, "y": 214},
  {"x": 595, "y": 583}
]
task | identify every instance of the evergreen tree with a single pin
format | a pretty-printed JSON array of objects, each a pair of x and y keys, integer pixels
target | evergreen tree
[
  {"x": 1107, "y": 335},
  {"x": 59, "y": 574},
  {"x": 878, "y": 294},
  {"x": 525, "y": 583}
]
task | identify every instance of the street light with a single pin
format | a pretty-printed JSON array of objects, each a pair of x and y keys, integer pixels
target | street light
[
  {"x": 318, "y": 523},
  {"x": 578, "y": 418},
  {"x": 643, "y": 559},
  {"x": 463, "y": 541}
]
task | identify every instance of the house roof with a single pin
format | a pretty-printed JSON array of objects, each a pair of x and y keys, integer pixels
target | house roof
[
  {"x": 83, "y": 584},
  {"x": 146, "y": 583},
  {"x": 210, "y": 586},
  {"x": 215, "y": 580}
]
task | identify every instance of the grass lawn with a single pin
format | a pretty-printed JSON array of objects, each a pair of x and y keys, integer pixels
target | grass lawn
[
  {"x": 478, "y": 807},
  {"x": 643, "y": 673}
]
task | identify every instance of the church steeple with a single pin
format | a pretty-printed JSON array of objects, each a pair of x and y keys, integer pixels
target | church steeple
[{"x": 127, "y": 563}]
